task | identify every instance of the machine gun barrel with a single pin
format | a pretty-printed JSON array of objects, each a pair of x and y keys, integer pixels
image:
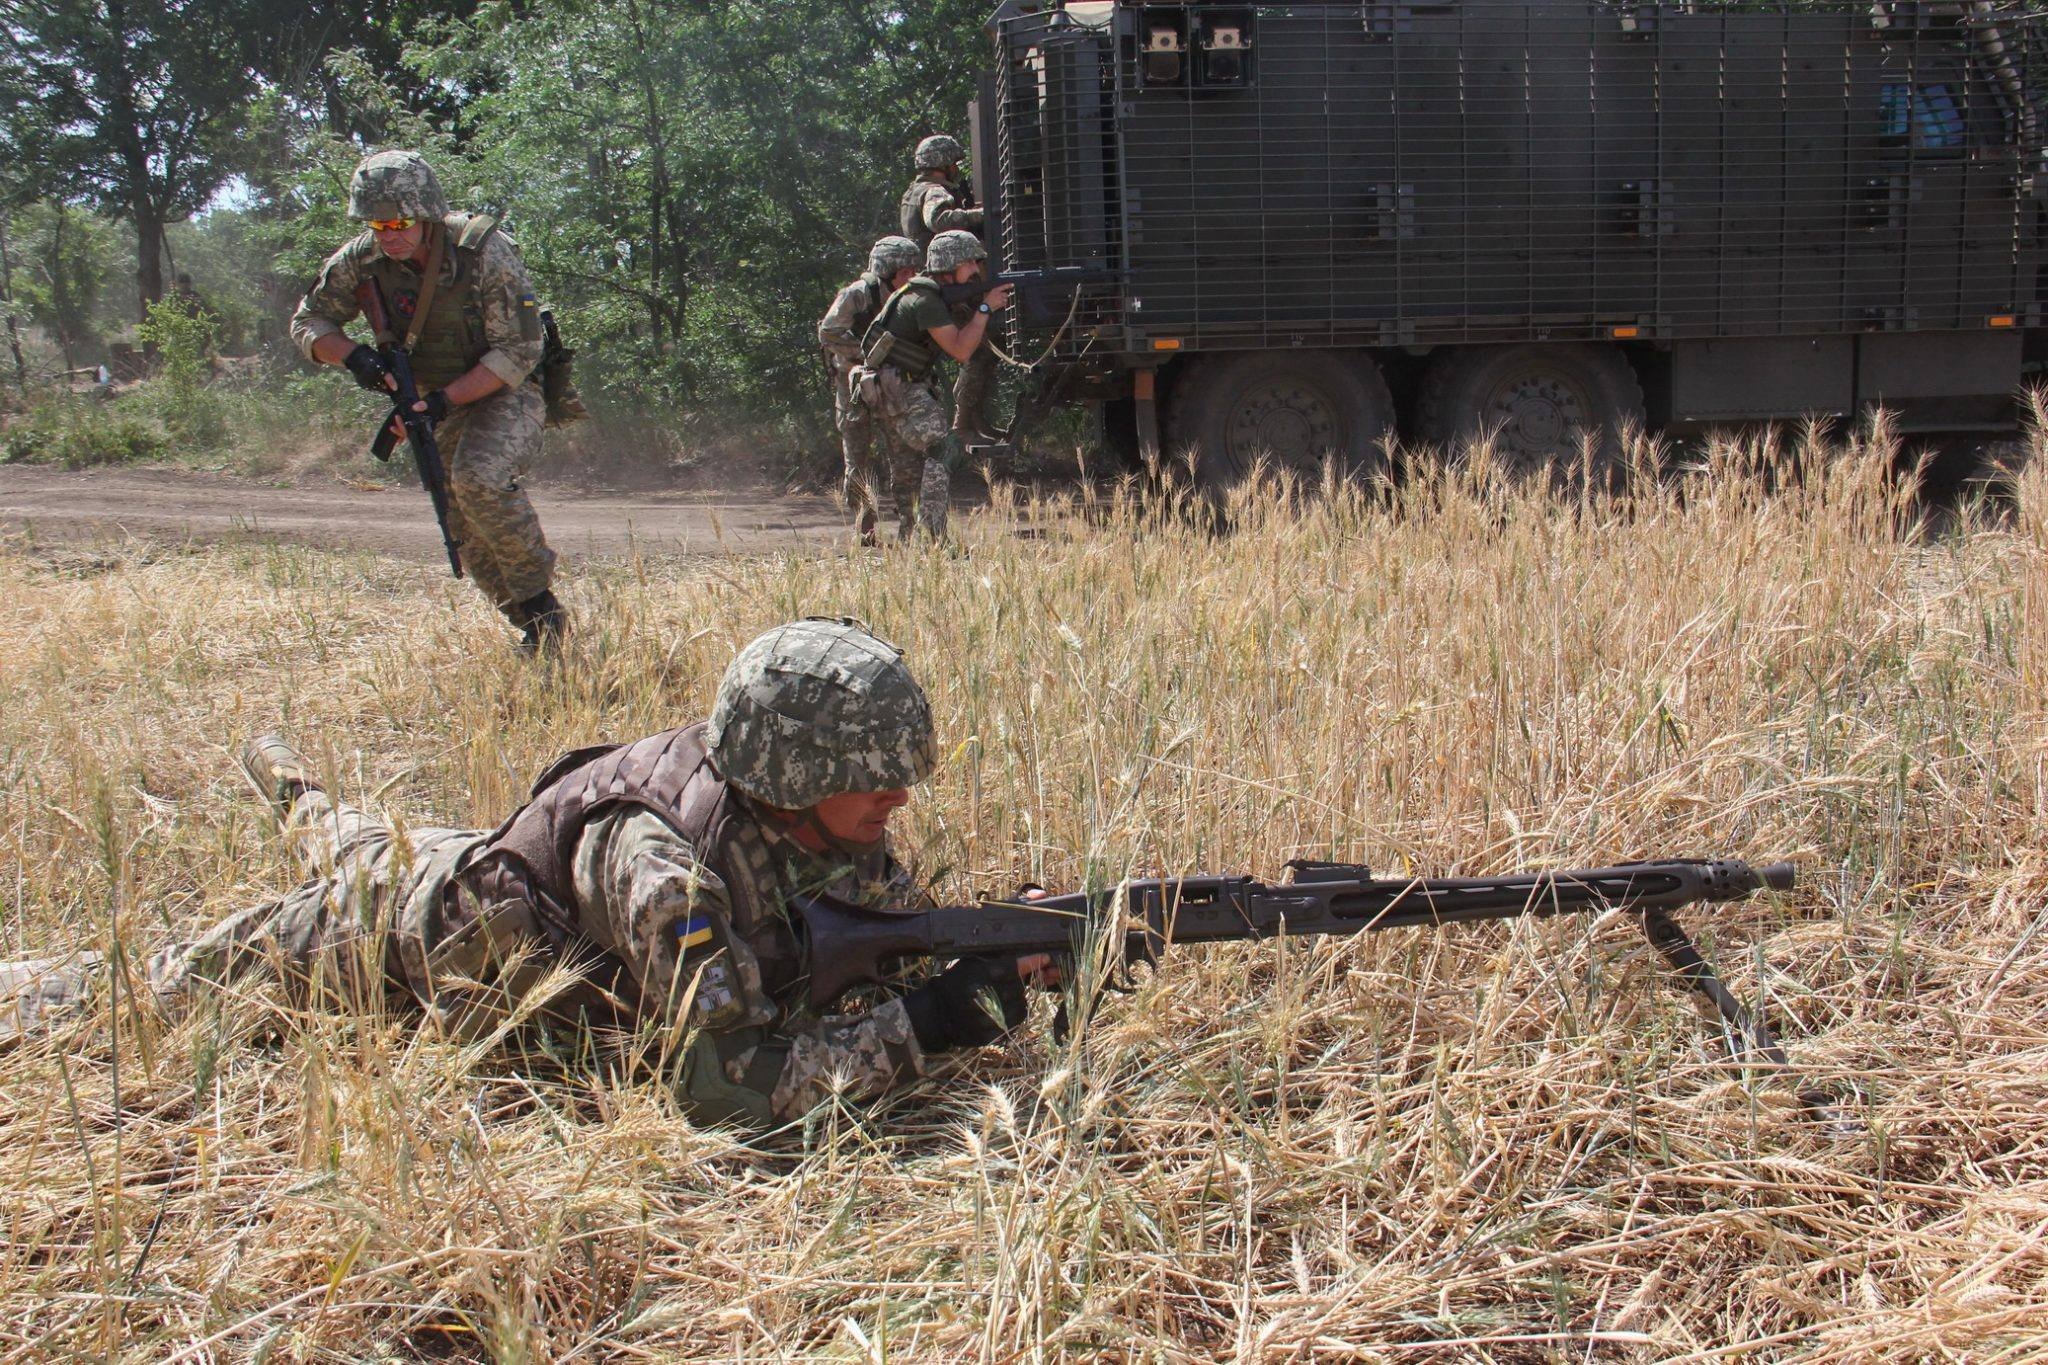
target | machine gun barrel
[{"x": 850, "y": 946}]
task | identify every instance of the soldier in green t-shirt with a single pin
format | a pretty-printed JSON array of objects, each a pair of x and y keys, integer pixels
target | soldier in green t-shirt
[
  {"x": 940, "y": 200},
  {"x": 901, "y": 349}
]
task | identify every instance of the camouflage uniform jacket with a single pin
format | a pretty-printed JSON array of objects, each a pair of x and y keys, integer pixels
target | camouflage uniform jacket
[
  {"x": 488, "y": 283},
  {"x": 931, "y": 207},
  {"x": 683, "y": 884},
  {"x": 846, "y": 321}
]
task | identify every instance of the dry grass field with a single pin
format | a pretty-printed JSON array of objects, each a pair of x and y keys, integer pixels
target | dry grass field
[{"x": 1511, "y": 1143}]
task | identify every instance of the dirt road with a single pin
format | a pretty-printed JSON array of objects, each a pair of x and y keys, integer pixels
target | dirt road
[{"x": 55, "y": 504}]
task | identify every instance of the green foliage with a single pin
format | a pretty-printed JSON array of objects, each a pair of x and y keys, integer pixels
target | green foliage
[
  {"x": 687, "y": 216},
  {"x": 78, "y": 433},
  {"x": 184, "y": 339},
  {"x": 62, "y": 257}
]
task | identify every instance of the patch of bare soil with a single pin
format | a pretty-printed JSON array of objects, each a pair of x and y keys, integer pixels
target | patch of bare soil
[{"x": 159, "y": 504}]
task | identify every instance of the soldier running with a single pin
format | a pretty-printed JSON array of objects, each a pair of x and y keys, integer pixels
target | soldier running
[
  {"x": 900, "y": 350},
  {"x": 891, "y": 263},
  {"x": 937, "y": 201},
  {"x": 477, "y": 351},
  {"x": 664, "y": 867}
]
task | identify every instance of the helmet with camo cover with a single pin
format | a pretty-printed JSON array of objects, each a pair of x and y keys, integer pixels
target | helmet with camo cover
[
  {"x": 951, "y": 250},
  {"x": 892, "y": 254},
  {"x": 937, "y": 152},
  {"x": 819, "y": 707},
  {"x": 395, "y": 184}
]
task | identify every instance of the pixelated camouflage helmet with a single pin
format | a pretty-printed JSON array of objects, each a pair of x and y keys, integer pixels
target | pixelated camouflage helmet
[
  {"x": 951, "y": 250},
  {"x": 892, "y": 254},
  {"x": 937, "y": 152},
  {"x": 395, "y": 184},
  {"x": 818, "y": 707}
]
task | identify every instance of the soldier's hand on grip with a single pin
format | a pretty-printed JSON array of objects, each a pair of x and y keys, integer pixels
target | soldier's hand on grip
[{"x": 369, "y": 369}]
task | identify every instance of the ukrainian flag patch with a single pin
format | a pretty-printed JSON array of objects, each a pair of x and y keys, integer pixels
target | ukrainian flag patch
[{"x": 694, "y": 932}]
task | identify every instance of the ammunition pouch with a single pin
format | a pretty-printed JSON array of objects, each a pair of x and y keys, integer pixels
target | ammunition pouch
[
  {"x": 866, "y": 387},
  {"x": 558, "y": 377},
  {"x": 913, "y": 358}
]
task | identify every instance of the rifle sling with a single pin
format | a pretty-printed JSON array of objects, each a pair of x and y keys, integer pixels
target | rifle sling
[{"x": 435, "y": 253}]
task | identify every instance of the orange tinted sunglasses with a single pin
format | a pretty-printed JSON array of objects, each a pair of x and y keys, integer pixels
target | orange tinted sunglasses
[{"x": 391, "y": 224}]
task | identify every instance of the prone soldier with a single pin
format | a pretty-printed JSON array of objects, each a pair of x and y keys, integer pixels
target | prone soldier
[
  {"x": 901, "y": 349},
  {"x": 891, "y": 263},
  {"x": 456, "y": 283},
  {"x": 939, "y": 201},
  {"x": 666, "y": 867}
]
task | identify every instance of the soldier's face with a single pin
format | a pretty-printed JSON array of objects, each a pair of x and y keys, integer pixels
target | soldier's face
[
  {"x": 861, "y": 817},
  {"x": 403, "y": 244}
]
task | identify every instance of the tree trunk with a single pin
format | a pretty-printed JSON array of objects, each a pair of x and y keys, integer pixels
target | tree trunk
[
  {"x": 149, "y": 257},
  {"x": 13, "y": 322}
]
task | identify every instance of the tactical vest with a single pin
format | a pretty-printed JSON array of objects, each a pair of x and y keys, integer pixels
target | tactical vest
[
  {"x": 531, "y": 856},
  {"x": 910, "y": 214},
  {"x": 453, "y": 340},
  {"x": 910, "y": 349}
]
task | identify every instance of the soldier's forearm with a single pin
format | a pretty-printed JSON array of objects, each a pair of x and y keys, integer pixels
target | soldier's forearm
[
  {"x": 332, "y": 348},
  {"x": 479, "y": 383}
]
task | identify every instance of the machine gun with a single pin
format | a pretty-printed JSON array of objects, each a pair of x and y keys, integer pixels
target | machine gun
[
  {"x": 417, "y": 426},
  {"x": 1138, "y": 920}
]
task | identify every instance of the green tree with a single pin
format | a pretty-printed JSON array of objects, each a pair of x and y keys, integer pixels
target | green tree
[
  {"x": 690, "y": 212},
  {"x": 132, "y": 106},
  {"x": 65, "y": 255}
]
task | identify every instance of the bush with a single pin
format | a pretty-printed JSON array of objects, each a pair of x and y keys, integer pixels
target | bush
[
  {"x": 80, "y": 433},
  {"x": 184, "y": 338}
]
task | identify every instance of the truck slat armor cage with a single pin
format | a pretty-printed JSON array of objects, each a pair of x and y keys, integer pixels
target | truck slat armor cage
[{"x": 1414, "y": 175}]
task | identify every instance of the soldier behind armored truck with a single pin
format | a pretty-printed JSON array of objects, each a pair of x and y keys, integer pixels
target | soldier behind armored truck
[
  {"x": 939, "y": 201},
  {"x": 901, "y": 351},
  {"x": 891, "y": 263}
]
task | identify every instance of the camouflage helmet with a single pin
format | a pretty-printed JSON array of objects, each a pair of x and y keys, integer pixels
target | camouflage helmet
[
  {"x": 892, "y": 254},
  {"x": 395, "y": 185},
  {"x": 818, "y": 707},
  {"x": 937, "y": 152},
  {"x": 951, "y": 250}
]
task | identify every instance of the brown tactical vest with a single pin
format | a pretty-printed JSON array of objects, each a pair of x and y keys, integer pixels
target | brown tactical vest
[
  {"x": 453, "y": 340},
  {"x": 530, "y": 856}
]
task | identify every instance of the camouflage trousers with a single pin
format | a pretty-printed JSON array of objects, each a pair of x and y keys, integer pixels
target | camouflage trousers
[
  {"x": 857, "y": 446},
  {"x": 971, "y": 386},
  {"x": 920, "y": 446},
  {"x": 375, "y": 917},
  {"x": 487, "y": 446}
]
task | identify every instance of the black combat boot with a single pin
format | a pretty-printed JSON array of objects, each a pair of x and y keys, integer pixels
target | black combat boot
[{"x": 542, "y": 622}]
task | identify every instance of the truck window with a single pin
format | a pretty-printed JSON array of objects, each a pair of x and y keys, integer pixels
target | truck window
[{"x": 1925, "y": 117}]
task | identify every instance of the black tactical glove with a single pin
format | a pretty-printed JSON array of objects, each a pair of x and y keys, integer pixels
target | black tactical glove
[
  {"x": 954, "y": 1009},
  {"x": 368, "y": 367},
  {"x": 437, "y": 406}
]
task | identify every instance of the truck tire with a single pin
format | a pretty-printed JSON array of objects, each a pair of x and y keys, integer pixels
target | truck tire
[
  {"x": 1534, "y": 400},
  {"x": 1293, "y": 409}
]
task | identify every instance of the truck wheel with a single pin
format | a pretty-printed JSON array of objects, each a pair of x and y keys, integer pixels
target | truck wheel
[
  {"x": 1535, "y": 401},
  {"x": 1293, "y": 409}
]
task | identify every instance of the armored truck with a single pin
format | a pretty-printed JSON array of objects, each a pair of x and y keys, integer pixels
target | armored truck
[{"x": 1289, "y": 231}]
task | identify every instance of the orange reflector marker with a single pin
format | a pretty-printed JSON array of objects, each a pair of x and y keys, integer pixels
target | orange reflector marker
[
  {"x": 1624, "y": 333},
  {"x": 1166, "y": 344},
  {"x": 1999, "y": 320}
]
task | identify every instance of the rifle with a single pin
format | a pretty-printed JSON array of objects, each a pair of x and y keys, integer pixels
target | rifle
[
  {"x": 418, "y": 428},
  {"x": 850, "y": 946},
  {"x": 1059, "y": 277}
]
